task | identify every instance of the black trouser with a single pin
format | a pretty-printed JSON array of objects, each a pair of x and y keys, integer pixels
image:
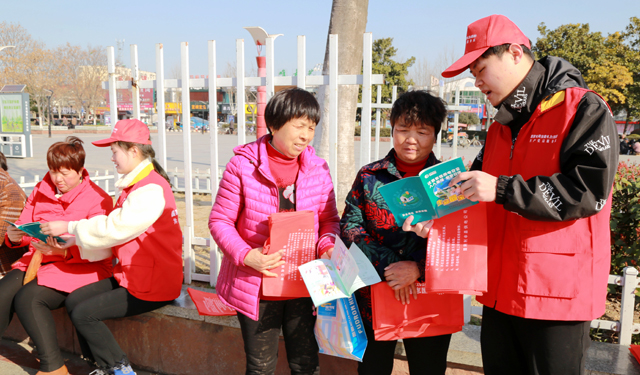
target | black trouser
[
  {"x": 513, "y": 345},
  {"x": 33, "y": 304},
  {"x": 296, "y": 318},
  {"x": 90, "y": 305},
  {"x": 425, "y": 355}
]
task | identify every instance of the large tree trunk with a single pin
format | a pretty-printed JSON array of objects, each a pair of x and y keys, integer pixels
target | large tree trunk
[
  {"x": 626, "y": 120},
  {"x": 349, "y": 21}
]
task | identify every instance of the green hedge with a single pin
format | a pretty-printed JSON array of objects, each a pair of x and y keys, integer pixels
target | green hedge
[{"x": 625, "y": 218}]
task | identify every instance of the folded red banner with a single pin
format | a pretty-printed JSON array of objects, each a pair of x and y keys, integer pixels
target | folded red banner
[{"x": 209, "y": 303}]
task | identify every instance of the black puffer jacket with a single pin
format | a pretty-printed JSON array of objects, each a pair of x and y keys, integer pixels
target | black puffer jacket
[{"x": 580, "y": 175}]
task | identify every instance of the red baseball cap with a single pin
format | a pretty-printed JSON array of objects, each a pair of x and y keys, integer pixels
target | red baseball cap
[
  {"x": 483, "y": 34},
  {"x": 131, "y": 130}
]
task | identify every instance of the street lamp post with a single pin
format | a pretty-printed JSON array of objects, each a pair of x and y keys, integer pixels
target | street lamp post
[
  {"x": 260, "y": 37},
  {"x": 49, "y": 103}
]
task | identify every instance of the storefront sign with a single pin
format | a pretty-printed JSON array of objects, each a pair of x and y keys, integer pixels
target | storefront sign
[{"x": 125, "y": 102}]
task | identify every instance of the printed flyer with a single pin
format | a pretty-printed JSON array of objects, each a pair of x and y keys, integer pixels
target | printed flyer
[
  {"x": 457, "y": 253},
  {"x": 294, "y": 233},
  {"x": 428, "y": 195},
  {"x": 347, "y": 271}
]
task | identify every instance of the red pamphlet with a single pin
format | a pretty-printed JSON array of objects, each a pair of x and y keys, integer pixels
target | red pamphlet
[
  {"x": 432, "y": 314},
  {"x": 209, "y": 303},
  {"x": 457, "y": 252},
  {"x": 294, "y": 233}
]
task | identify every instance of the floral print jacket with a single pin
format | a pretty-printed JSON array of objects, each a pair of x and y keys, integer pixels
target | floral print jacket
[{"x": 368, "y": 222}]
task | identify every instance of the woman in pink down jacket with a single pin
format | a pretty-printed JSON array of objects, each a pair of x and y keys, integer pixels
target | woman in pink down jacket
[{"x": 278, "y": 172}]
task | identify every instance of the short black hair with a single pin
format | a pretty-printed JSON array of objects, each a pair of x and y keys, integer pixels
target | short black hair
[
  {"x": 502, "y": 48},
  {"x": 419, "y": 107},
  {"x": 291, "y": 104},
  {"x": 3, "y": 162}
]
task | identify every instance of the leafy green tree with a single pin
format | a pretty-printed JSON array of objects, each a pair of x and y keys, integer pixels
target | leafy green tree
[
  {"x": 631, "y": 36},
  {"x": 395, "y": 72},
  {"x": 469, "y": 118},
  {"x": 603, "y": 61}
]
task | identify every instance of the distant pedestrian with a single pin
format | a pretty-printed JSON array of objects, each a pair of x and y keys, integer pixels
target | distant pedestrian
[{"x": 625, "y": 148}]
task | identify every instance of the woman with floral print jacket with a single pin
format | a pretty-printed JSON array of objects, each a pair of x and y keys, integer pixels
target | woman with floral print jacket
[{"x": 398, "y": 254}]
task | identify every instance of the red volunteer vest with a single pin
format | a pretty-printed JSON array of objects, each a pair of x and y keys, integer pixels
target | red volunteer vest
[
  {"x": 150, "y": 266},
  {"x": 537, "y": 269}
]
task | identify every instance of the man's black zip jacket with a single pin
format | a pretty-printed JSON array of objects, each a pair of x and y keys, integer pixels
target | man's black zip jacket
[{"x": 586, "y": 178}]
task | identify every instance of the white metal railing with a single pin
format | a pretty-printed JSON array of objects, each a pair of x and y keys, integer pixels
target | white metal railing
[
  {"x": 625, "y": 326},
  {"x": 196, "y": 182},
  {"x": 102, "y": 181},
  {"x": 332, "y": 80},
  {"x": 176, "y": 177}
]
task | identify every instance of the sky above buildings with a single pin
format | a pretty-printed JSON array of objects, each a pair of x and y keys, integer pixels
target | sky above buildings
[{"x": 421, "y": 28}]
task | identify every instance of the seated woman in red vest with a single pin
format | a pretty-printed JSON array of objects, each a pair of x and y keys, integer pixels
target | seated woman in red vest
[
  {"x": 144, "y": 234},
  {"x": 398, "y": 254},
  {"x": 65, "y": 193}
]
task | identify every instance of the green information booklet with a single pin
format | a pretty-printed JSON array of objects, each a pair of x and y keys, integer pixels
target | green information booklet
[
  {"x": 426, "y": 196},
  {"x": 33, "y": 230}
]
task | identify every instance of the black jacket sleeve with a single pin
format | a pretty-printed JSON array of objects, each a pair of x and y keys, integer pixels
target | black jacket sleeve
[
  {"x": 588, "y": 164},
  {"x": 477, "y": 162}
]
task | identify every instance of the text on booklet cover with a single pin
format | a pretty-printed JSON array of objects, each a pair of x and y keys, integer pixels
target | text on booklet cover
[{"x": 428, "y": 195}]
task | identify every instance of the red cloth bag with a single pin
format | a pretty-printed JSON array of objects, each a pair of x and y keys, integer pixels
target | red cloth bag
[
  {"x": 432, "y": 314},
  {"x": 457, "y": 253}
]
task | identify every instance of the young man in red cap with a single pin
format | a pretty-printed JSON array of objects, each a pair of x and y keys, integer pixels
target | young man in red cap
[{"x": 547, "y": 167}]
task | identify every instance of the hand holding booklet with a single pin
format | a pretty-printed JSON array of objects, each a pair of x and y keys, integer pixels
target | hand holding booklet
[
  {"x": 427, "y": 196},
  {"x": 347, "y": 271},
  {"x": 33, "y": 230}
]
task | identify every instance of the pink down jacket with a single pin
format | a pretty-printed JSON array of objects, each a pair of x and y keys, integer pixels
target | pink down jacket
[{"x": 239, "y": 218}]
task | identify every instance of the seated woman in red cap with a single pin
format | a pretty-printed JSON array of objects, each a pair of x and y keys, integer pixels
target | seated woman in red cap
[
  {"x": 144, "y": 234},
  {"x": 43, "y": 278}
]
